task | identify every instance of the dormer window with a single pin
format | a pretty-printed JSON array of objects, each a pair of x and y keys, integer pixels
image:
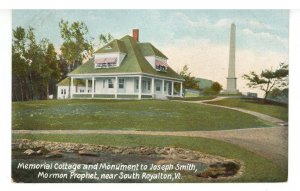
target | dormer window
[
  {"x": 108, "y": 62},
  {"x": 161, "y": 66}
]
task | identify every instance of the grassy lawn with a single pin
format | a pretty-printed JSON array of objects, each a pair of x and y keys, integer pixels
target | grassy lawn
[
  {"x": 258, "y": 169},
  {"x": 197, "y": 98},
  {"x": 277, "y": 111},
  {"x": 154, "y": 115}
]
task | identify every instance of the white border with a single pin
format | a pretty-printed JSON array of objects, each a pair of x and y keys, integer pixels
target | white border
[
  {"x": 151, "y": 4},
  {"x": 294, "y": 78},
  {"x": 5, "y": 96}
]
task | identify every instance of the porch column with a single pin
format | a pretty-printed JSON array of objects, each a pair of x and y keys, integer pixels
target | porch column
[
  {"x": 180, "y": 89},
  {"x": 140, "y": 87},
  {"x": 116, "y": 87},
  {"x": 86, "y": 85},
  {"x": 163, "y": 87},
  {"x": 172, "y": 88},
  {"x": 71, "y": 88},
  {"x": 152, "y": 88},
  {"x": 93, "y": 86}
]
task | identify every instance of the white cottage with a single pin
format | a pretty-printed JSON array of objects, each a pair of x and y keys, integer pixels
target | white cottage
[{"x": 123, "y": 69}]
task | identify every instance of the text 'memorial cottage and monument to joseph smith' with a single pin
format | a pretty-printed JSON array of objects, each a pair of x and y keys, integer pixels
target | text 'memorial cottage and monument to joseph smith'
[{"x": 123, "y": 69}]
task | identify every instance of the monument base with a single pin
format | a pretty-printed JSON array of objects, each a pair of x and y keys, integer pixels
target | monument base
[{"x": 231, "y": 92}]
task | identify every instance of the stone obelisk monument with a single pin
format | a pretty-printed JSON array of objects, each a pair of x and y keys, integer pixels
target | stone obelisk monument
[{"x": 231, "y": 79}]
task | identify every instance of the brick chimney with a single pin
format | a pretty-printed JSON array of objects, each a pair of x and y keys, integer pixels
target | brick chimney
[{"x": 135, "y": 34}]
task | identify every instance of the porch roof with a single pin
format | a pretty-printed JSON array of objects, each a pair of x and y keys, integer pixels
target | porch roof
[{"x": 67, "y": 81}]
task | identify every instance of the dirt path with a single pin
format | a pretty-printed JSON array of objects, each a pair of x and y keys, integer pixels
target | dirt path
[
  {"x": 268, "y": 118},
  {"x": 270, "y": 142}
]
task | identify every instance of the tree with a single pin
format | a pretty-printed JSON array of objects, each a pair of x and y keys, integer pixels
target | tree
[
  {"x": 19, "y": 65},
  {"x": 39, "y": 72},
  {"x": 63, "y": 67},
  {"x": 278, "y": 94},
  {"x": 214, "y": 89},
  {"x": 76, "y": 47},
  {"x": 33, "y": 66},
  {"x": 53, "y": 64},
  {"x": 105, "y": 38},
  {"x": 45, "y": 72},
  {"x": 189, "y": 81},
  {"x": 269, "y": 79}
]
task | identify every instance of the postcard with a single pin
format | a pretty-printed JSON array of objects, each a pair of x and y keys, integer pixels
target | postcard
[{"x": 150, "y": 96}]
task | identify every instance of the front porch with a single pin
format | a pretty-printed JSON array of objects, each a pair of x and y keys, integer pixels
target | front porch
[{"x": 125, "y": 87}]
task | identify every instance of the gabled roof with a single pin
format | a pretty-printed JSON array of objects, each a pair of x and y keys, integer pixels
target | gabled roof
[{"x": 134, "y": 61}]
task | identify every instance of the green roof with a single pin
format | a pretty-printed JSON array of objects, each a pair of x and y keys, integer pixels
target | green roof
[
  {"x": 114, "y": 46},
  {"x": 66, "y": 82},
  {"x": 148, "y": 49},
  {"x": 134, "y": 61}
]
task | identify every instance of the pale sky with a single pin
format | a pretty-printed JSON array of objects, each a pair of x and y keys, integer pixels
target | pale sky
[{"x": 198, "y": 38}]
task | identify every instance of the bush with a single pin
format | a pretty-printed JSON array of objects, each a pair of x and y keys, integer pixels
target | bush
[
  {"x": 213, "y": 90},
  {"x": 210, "y": 91}
]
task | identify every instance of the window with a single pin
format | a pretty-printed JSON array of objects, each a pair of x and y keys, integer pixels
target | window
[
  {"x": 121, "y": 83},
  {"x": 161, "y": 65},
  {"x": 63, "y": 91},
  {"x": 157, "y": 86},
  {"x": 111, "y": 65},
  {"x": 149, "y": 85},
  {"x": 161, "y": 68},
  {"x": 110, "y": 83},
  {"x": 108, "y": 62}
]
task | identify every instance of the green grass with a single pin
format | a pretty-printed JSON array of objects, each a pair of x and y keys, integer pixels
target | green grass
[
  {"x": 258, "y": 168},
  {"x": 277, "y": 111},
  {"x": 154, "y": 115},
  {"x": 190, "y": 94},
  {"x": 198, "y": 98}
]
